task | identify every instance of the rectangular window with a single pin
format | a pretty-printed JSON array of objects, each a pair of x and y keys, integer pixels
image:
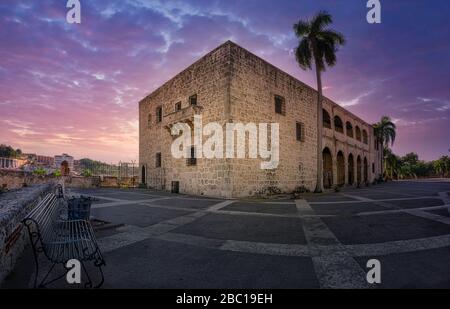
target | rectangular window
[
  {"x": 193, "y": 99},
  {"x": 149, "y": 120},
  {"x": 159, "y": 114},
  {"x": 280, "y": 107},
  {"x": 373, "y": 168},
  {"x": 300, "y": 131},
  {"x": 192, "y": 160},
  {"x": 177, "y": 106},
  {"x": 158, "y": 159}
]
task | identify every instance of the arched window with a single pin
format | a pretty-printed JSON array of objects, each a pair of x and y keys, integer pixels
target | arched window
[
  {"x": 338, "y": 126},
  {"x": 327, "y": 168},
  {"x": 358, "y": 133},
  {"x": 149, "y": 120},
  {"x": 326, "y": 119},
  {"x": 349, "y": 129},
  {"x": 364, "y": 133}
]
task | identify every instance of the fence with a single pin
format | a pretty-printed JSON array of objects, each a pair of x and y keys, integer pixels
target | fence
[{"x": 120, "y": 170}]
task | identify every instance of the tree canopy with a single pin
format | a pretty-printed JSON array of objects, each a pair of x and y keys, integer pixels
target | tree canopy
[{"x": 9, "y": 152}]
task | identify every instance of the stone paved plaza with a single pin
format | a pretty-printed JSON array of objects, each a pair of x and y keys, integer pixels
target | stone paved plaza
[{"x": 161, "y": 240}]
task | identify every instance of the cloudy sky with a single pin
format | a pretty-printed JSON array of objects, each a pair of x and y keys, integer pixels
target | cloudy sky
[{"x": 74, "y": 88}]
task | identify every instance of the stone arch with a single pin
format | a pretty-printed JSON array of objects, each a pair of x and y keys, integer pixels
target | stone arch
[
  {"x": 340, "y": 162},
  {"x": 366, "y": 170},
  {"x": 358, "y": 133},
  {"x": 349, "y": 129},
  {"x": 65, "y": 170},
  {"x": 338, "y": 125},
  {"x": 351, "y": 169},
  {"x": 327, "y": 168},
  {"x": 364, "y": 137},
  {"x": 143, "y": 175},
  {"x": 358, "y": 170},
  {"x": 326, "y": 120}
]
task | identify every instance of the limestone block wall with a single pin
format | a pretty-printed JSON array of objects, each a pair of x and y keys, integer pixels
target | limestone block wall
[
  {"x": 11, "y": 180},
  {"x": 254, "y": 85},
  {"x": 340, "y": 142},
  {"x": 14, "y": 206},
  {"x": 82, "y": 182},
  {"x": 234, "y": 85},
  {"x": 208, "y": 79}
]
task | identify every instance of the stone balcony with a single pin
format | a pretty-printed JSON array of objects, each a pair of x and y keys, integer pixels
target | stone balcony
[{"x": 183, "y": 115}]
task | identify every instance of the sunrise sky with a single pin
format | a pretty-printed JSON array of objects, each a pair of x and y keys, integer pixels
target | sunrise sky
[{"x": 75, "y": 88}]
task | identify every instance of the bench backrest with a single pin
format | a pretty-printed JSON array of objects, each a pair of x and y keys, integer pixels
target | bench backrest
[{"x": 44, "y": 217}]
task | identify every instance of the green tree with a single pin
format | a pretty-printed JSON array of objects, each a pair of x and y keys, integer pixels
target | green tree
[
  {"x": 405, "y": 171},
  {"x": 9, "y": 152},
  {"x": 442, "y": 166},
  {"x": 40, "y": 171},
  {"x": 86, "y": 173},
  {"x": 317, "y": 44},
  {"x": 385, "y": 132},
  {"x": 393, "y": 163},
  {"x": 411, "y": 158}
]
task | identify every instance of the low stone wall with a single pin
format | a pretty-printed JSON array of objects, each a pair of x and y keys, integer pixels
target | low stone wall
[
  {"x": 99, "y": 181},
  {"x": 82, "y": 182},
  {"x": 109, "y": 181},
  {"x": 11, "y": 180},
  {"x": 14, "y": 206}
]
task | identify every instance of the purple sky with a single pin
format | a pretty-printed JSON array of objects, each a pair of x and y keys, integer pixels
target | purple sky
[{"x": 74, "y": 88}]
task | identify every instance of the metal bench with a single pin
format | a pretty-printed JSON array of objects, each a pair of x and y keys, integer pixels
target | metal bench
[{"x": 61, "y": 239}]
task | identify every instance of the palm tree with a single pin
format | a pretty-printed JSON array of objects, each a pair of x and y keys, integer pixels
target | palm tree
[
  {"x": 318, "y": 44},
  {"x": 442, "y": 166},
  {"x": 392, "y": 163},
  {"x": 385, "y": 132}
]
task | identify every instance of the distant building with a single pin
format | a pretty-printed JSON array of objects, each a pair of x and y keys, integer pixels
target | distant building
[
  {"x": 45, "y": 161},
  {"x": 65, "y": 163},
  {"x": 76, "y": 166},
  {"x": 11, "y": 163},
  {"x": 30, "y": 157}
]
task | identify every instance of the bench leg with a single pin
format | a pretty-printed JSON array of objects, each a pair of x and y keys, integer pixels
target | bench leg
[
  {"x": 88, "y": 284},
  {"x": 99, "y": 266},
  {"x": 34, "y": 239},
  {"x": 36, "y": 265},
  {"x": 43, "y": 283}
]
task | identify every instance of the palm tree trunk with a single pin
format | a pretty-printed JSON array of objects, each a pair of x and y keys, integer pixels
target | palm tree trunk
[{"x": 319, "y": 181}]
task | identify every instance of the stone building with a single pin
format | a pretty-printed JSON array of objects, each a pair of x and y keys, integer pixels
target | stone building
[
  {"x": 10, "y": 163},
  {"x": 230, "y": 85},
  {"x": 65, "y": 163}
]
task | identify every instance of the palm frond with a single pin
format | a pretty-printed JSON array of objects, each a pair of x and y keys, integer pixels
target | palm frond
[
  {"x": 320, "y": 21},
  {"x": 328, "y": 51},
  {"x": 333, "y": 36},
  {"x": 303, "y": 54},
  {"x": 302, "y": 28},
  {"x": 317, "y": 42}
]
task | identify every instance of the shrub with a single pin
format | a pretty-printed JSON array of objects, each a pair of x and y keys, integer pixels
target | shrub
[
  {"x": 86, "y": 173},
  {"x": 40, "y": 172},
  {"x": 301, "y": 189}
]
